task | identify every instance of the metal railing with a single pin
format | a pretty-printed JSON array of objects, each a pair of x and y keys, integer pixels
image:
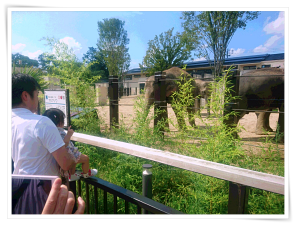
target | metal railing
[
  {"x": 239, "y": 179},
  {"x": 142, "y": 203}
]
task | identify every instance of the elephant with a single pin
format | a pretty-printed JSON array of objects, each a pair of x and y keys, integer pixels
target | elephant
[
  {"x": 261, "y": 89},
  {"x": 262, "y": 125},
  {"x": 200, "y": 90}
]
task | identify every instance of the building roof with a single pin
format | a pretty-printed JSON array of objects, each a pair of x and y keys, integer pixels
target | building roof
[{"x": 228, "y": 61}]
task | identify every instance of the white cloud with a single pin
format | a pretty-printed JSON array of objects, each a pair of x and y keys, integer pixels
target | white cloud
[
  {"x": 272, "y": 41},
  {"x": 270, "y": 44},
  {"x": 260, "y": 49},
  {"x": 18, "y": 47},
  {"x": 277, "y": 26},
  {"x": 76, "y": 46},
  {"x": 33, "y": 55},
  {"x": 233, "y": 52}
]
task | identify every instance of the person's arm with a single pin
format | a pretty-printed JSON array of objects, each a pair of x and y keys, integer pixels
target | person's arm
[
  {"x": 63, "y": 158},
  {"x": 67, "y": 138},
  {"x": 51, "y": 139}
]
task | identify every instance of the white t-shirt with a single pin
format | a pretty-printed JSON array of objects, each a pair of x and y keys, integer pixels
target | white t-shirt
[{"x": 34, "y": 138}]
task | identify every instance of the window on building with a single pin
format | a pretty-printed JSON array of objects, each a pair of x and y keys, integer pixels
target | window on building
[
  {"x": 200, "y": 72},
  {"x": 128, "y": 77},
  {"x": 208, "y": 71},
  {"x": 266, "y": 66},
  {"x": 249, "y": 67},
  {"x": 137, "y": 76}
]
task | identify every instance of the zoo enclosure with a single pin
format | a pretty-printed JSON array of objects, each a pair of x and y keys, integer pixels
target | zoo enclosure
[
  {"x": 160, "y": 96},
  {"x": 239, "y": 179}
]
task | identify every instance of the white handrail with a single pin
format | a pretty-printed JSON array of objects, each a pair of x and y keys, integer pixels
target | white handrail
[{"x": 246, "y": 177}]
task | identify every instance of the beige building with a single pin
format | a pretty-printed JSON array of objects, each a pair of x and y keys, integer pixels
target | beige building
[{"x": 202, "y": 69}]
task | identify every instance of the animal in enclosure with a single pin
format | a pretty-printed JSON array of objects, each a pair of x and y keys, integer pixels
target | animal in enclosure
[
  {"x": 200, "y": 90},
  {"x": 261, "y": 89},
  {"x": 262, "y": 125}
]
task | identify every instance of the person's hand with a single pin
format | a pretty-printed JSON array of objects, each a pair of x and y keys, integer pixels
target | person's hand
[
  {"x": 70, "y": 131},
  {"x": 61, "y": 201},
  {"x": 72, "y": 170}
]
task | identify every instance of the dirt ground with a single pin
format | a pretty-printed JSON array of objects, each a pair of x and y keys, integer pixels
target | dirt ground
[{"x": 250, "y": 139}]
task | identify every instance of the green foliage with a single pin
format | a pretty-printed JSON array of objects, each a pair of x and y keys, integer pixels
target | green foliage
[
  {"x": 97, "y": 64},
  {"x": 112, "y": 43},
  {"x": 167, "y": 50},
  {"x": 25, "y": 61},
  {"x": 216, "y": 28},
  {"x": 73, "y": 75}
]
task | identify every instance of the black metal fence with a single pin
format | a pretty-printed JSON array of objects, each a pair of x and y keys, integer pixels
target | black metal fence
[{"x": 144, "y": 205}]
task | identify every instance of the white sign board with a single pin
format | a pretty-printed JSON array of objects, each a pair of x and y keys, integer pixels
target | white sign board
[{"x": 57, "y": 99}]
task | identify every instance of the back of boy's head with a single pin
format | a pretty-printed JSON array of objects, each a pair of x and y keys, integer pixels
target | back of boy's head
[
  {"x": 20, "y": 83},
  {"x": 56, "y": 115}
]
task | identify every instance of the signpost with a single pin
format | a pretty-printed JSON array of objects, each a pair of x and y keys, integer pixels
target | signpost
[{"x": 58, "y": 98}]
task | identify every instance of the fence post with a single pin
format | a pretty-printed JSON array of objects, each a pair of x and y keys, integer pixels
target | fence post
[
  {"x": 113, "y": 101},
  {"x": 238, "y": 198},
  {"x": 72, "y": 187},
  {"x": 233, "y": 82},
  {"x": 160, "y": 98},
  {"x": 208, "y": 103},
  {"x": 147, "y": 183}
]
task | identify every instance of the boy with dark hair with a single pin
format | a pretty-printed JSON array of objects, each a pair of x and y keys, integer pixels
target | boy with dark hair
[
  {"x": 37, "y": 147},
  {"x": 20, "y": 83}
]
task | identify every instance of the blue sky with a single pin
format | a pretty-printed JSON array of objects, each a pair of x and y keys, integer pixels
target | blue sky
[{"x": 79, "y": 30}]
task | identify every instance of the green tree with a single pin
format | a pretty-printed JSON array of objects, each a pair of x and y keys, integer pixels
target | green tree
[
  {"x": 168, "y": 50},
  {"x": 20, "y": 60},
  {"x": 73, "y": 74},
  {"x": 216, "y": 29},
  {"x": 97, "y": 63},
  {"x": 46, "y": 60},
  {"x": 112, "y": 43}
]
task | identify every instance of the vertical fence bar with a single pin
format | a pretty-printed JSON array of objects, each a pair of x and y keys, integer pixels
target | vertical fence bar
[
  {"x": 147, "y": 183},
  {"x": 79, "y": 187},
  {"x": 113, "y": 101},
  {"x": 87, "y": 198},
  {"x": 126, "y": 207},
  {"x": 238, "y": 198},
  {"x": 115, "y": 204},
  {"x": 160, "y": 98},
  {"x": 208, "y": 103},
  {"x": 105, "y": 202},
  {"x": 138, "y": 209},
  {"x": 233, "y": 84},
  {"x": 96, "y": 200},
  {"x": 72, "y": 187}
]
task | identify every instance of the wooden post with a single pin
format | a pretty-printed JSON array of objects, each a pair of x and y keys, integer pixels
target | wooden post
[
  {"x": 113, "y": 101},
  {"x": 238, "y": 198},
  {"x": 233, "y": 81},
  {"x": 159, "y": 98}
]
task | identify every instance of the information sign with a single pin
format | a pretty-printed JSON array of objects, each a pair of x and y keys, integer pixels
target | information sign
[{"x": 58, "y": 99}]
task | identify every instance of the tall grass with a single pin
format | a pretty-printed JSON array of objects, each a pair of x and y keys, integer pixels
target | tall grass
[{"x": 189, "y": 192}]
